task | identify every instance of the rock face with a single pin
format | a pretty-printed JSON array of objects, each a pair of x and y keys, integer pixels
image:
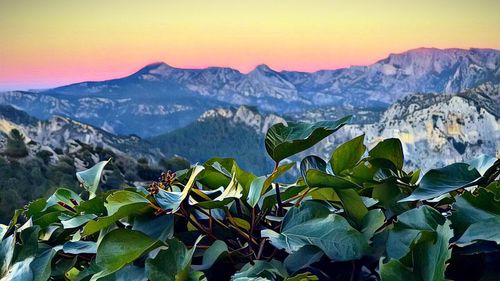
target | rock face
[
  {"x": 167, "y": 98},
  {"x": 245, "y": 116},
  {"x": 68, "y": 135},
  {"x": 435, "y": 130}
]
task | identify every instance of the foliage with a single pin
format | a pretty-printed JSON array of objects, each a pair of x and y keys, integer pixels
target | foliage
[
  {"x": 356, "y": 216},
  {"x": 25, "y": 179},
  {"x": 15, "y": 145}
]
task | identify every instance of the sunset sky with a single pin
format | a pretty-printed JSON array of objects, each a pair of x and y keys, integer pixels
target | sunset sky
[{"x": 54, "y": 42}]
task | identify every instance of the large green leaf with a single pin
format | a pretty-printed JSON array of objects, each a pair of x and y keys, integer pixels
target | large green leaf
[
  {"x": 119, "y": 204},
  {"x": 211, "y": 255},
  {"x": 441, "y": 181},
  {"x": 409, "y": 228},
  {"x": 303, "y": 258},
  {"x": 471, "y": 208},
  {"x": 389, "y": 149},
  {"x": 80, "y": 247},
  {"x": 6, "y": 253},
  {"x": 219, "y": 171},
  {"x": 314, "y": 224},
  {"x": 41, "y": 266},
  {"x": 171, "y": 264},
  {"x": 90, "y": 178},
  {"x": 395, "y": 270},
  {"x": 345, "y": 190},
  {"x": 256, "y": 191},
  {"x": 261, "y": 185},
  {"x": 121, "y": 247},
  {"x": 283, "y": 141},
  {"x": 157, "y": 227},
  {"x": 261, "y": 270},
  {"x": 372, "y": 221},
  {"x": 77, "y": 221},
  {"x": 487, "y": 230},
  {"x": 423, "y": 234},
  {"x": 348, "y": 154},
  {"x": 62, "y": 195}
]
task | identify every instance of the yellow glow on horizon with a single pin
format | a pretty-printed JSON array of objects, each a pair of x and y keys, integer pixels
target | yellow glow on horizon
[{"x": 55, "y": 41}]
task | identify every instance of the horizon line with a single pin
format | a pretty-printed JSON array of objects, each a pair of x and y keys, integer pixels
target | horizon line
[{"x": 160, "y": 62}]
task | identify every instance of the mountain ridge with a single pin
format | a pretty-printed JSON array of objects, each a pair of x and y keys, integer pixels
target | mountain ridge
[{"x": 167, "y": 98}]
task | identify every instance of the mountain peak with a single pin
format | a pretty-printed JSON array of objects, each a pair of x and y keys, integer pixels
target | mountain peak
[
  {"x": 154, "y": 67},
  {"x": 263, "y": 67}
]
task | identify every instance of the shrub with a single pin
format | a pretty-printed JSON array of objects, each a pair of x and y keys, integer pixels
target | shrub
[
  {"x": 15, "y": 145},
  {"x": 356, "y": 216}
]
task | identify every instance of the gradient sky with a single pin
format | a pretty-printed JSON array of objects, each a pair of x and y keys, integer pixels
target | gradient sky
[{"x": 54, "y": 42}]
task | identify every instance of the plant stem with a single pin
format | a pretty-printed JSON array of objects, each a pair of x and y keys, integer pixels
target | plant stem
[
  {"x": 279, "y": 211},
  {"x": 261, "y": 248}
]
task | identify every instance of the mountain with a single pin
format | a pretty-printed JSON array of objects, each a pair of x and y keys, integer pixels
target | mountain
[
  {"x": 64, "y": 134},
  {"x": 435, "y": 130},
  {"x": 37, "y": 156},
  {"x": 225, "y": 132},
  {"x": 166, "y": 98}
]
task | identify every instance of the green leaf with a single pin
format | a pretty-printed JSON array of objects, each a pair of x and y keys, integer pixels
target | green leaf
[
  {"x": 41, "y": 265},
  {"x": 219, "y": 171},
  {"x": 277, "y": 173},
  {"x": 302, "y": 258},
  {"x": 311, "y": 162},
  {"x": 29, "y": 243},
  {"x": 211, "y": 255},
  {"x": 372, "y": 221},
  {"x": 6, "y": 253},
  {"x": 283, "y": 141},
  {"x": 171, "y": 264},
  {"x": 90, "y": 178},
  {"x": 410, "y": 226},
  {"x": 65, "y": 196},
  {"x": 487, "y": 230},
  {"x": 390, "y": 149},
  {"x": 314, "y": 224},
  {"x": 440, "y": 181},
  {"x": 306, "y": 276},
  {"x": 77, "y": 221},
  {"x": 261, "y": 185},
  {"x": 265, "y": 269},
  {"x": 429, "y": 251},
  {"x": 119, "y": 204},
  {"x": 472, "y": 208},
  {"x": 430, "y": 256},
  {"x": 80, "y": 247},
  {"x": 121, "y": 247},
  {"x": 157, "y": 227},
  {"x": 20, "y": 271},
  {"x": 122, "y": 198},
  {"x": 255, "y": 192},
  {"x": 395, "y": 270},
  {"x": 348, "y": 154},
  {"x": 3, "y": 230},
  {"x": 351, "y": 201}
]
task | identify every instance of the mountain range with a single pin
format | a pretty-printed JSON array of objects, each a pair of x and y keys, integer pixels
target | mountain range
[{"x": 168, "y": 98}]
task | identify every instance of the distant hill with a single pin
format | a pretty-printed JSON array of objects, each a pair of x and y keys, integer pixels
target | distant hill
[
  {"x": 233, "y": 132},
  {"x": 160, "y": 98},
  {"x": 37, "y": 156},
  {"x": 435, "y": 129}
]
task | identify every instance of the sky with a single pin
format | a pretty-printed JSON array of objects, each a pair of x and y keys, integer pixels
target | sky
[{"x": 55, "y": 42}]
